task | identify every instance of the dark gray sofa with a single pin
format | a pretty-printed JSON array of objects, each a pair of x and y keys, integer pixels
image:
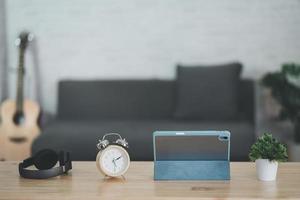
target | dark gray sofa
[{"x": 133, "y": 108}]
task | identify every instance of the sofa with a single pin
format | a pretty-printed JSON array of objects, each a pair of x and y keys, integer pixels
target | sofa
[{"x": 87, "y": 109}]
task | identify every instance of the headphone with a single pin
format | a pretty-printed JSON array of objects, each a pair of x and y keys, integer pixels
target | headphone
[
  {"x": 44, "y": 161},
  {"x": 103, "y": 143}
]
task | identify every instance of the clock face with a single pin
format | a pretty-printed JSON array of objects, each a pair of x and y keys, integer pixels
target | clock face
[{"x": 113, "y": 161}]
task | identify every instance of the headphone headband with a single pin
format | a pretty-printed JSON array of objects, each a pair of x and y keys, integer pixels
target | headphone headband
[{"x": 65, "y": 164}]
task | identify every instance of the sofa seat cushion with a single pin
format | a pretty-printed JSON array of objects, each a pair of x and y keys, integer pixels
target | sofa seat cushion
[{"x": 81, "y": 137}]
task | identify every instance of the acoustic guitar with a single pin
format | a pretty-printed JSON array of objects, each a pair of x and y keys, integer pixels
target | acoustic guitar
[{"x": 19, "y": 125}]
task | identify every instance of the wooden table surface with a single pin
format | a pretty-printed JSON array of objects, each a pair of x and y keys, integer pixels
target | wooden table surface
[{"x": 84, "y": 182}]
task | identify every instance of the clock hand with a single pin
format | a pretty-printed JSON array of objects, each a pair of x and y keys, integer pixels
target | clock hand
[
  {"x": 118, "y": 158},
  {"x": 114, "y": 162}
]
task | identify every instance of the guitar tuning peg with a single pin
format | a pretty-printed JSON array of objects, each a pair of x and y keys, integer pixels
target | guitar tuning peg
[
  {"x": 30, "y": 37},
  {"x": 18, "y": 42}
]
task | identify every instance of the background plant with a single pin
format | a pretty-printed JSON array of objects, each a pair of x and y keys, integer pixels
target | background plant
[
  {"x": 285, "y": 88},
  {"x": 267, "y": 147}
]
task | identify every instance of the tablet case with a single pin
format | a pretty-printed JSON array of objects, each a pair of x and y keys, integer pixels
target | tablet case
[{"x": 191, "y": 155}]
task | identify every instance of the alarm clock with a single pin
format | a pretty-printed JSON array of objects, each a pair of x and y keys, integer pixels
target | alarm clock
[{"x": 113, "y": 159}]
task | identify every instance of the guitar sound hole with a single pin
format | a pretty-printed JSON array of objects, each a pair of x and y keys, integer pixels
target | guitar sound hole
[
  {"x": 19, "y": 118},
  {"x": 18, "y": 139}
]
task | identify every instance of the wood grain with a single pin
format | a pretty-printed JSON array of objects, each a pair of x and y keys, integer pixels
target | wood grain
[{"x": 85, "y": 182}]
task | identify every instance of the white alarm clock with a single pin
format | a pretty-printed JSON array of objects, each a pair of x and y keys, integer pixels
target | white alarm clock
[{"x": 113, "y": 159}]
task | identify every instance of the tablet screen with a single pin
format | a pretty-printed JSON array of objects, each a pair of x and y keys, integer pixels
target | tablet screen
[{"x": 191, "y": 148}]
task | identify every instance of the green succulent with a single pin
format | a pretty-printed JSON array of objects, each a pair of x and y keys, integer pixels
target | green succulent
[{"x": 267, "y": 147}]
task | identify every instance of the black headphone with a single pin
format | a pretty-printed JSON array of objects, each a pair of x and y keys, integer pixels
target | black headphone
[{"x": 44, "y": 161}]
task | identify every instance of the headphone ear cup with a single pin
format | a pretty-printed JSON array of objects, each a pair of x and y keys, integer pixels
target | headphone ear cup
[
  {"x": 45, "y": 159},
  {"x": 61, "y": 158}
]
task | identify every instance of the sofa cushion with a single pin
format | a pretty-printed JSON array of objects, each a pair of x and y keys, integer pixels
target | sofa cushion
[
  {"x": 127, "y": 99},
  {"x": 208, "y": 93},
  {"x": 81, "y": 137}
]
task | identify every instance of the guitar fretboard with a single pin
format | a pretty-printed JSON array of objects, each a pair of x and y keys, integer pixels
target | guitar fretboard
[{"x": 20, "y": 80}]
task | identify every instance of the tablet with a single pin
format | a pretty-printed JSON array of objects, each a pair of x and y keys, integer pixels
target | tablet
[{"x": 190, "y": 155}]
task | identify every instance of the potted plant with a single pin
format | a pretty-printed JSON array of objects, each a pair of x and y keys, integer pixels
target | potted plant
[
  {"x": 267, "y": 152},
  {"x": 285, "y": 88}
]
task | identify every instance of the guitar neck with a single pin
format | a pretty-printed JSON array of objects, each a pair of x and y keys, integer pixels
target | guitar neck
[{"x": 20, "y": 82}]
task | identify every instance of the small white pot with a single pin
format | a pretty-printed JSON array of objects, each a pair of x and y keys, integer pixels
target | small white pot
[{"x": 266, "y": 170}]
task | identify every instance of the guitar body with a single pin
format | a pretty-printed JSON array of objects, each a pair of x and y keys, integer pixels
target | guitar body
[{"x": 16, "y": 139}]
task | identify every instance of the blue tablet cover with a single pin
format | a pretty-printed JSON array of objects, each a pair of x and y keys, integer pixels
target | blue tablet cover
[{"x": 191, "y": 155}]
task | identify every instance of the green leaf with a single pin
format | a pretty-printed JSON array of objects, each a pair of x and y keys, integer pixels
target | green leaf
[
  {"x": 267, "y": 147},
  {"x": 285, "y": 87}
]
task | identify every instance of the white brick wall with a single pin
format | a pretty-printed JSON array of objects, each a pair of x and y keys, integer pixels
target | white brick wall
[{"x": 146, "y": 38}]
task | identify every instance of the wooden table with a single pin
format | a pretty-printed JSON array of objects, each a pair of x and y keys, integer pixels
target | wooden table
[{"x": 84, "y": 182}]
